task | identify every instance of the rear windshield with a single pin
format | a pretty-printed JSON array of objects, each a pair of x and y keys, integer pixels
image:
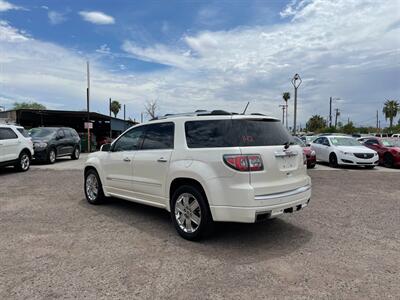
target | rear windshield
[{"x": 236, "y": 132}]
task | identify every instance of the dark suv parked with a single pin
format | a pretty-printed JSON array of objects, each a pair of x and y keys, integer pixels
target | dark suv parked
[{"x": 52, "y": 142}]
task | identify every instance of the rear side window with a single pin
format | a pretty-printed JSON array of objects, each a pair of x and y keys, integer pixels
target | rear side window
[
  {"x": 236, "y": 132},
  {"x": 7, "y": 134},
  {"x": 73, "y": 132},
  {"x": 208, "y": 134},
  {"x": 159, "y": 136},
  {"x": 24, "y": 132}
]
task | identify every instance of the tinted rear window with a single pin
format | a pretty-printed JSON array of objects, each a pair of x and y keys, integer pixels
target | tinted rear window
[
  {"x": 236, "y": 132},
  {"x": 159, "y": 136}
]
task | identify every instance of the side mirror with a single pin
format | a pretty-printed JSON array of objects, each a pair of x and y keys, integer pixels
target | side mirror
[
  {"x": 308, "y": 144},
  {"x": 59, "y": 137},
  {"x": 105, "y": 147}
]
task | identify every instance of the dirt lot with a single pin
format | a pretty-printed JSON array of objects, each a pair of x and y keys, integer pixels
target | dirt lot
[{"x": 53, "y": 244}]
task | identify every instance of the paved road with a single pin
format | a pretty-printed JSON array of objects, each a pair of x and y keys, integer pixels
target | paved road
[{"x": 53, "y": 244}]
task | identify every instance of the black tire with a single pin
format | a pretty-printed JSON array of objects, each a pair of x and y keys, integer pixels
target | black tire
[
  {"x": 95, "y": 197},
  {"x": 51, "y": 156},
  {"x": 369, "y": 167},
  {"x": 333, "y": 162},
  {"x": 180, "y": 217},
  {"x": 24, "y": 162},
  {"x": 76, "y": 153},
  {"x": 311, "y": 166},
  {"x": 388, "y": 160}
]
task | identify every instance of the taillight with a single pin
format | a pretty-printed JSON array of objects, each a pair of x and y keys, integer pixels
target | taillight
[{"x": 244, "y": 163}]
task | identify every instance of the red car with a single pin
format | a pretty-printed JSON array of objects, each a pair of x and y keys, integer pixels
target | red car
[
  {"x": 388, "y": 150},
  {"x": 310, "y": 154}
]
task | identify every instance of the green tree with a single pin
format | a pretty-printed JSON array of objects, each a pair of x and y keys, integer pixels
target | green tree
[
  {"x": 28, "y": 105},
  {"x": 316, "y": 123},
  {"x": 115, "y": 107},
  {"x": 348, "y": 128},
  {"x": 390, "y": 110}
]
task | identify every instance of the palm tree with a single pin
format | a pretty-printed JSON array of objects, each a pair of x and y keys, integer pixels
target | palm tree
[
  {"x": 115, "y": 107},
  {"x": 286, "y": 97},
  {"x": 390, "y": 110}
]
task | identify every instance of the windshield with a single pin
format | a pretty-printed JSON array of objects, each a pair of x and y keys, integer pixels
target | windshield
[
  {"x": 344, "y": 141},
  {"x": 299, "y": 142},
  {"x": 391, "y": 143},
  {"x": 42, "y": 132}
]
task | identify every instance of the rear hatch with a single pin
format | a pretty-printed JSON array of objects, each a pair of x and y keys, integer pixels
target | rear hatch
[{"x": 283, "y": 162}]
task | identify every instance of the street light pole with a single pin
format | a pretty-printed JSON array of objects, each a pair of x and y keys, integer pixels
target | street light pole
[{"x": 296, "y": 81}]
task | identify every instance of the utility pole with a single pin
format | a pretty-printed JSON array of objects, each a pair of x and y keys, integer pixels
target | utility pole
[
  {"x": 88, "y": 105},
  {"x": 283, "y": 113},
  {"x": 109, "y": 108},
  {"x": 337, "y": 113},
  {"x": 141, "y": 117},
  {"x": 377, "y": 120},
  {"x": 330, "y": 111},
  {"x": 124, "y": 116}
]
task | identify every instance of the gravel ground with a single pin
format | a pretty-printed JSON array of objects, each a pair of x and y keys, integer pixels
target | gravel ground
[{"x": 55, "y": 245}]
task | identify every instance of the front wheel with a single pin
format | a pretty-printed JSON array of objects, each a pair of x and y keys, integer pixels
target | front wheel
[
  {"x": 93, "y": 188},
  {"x": 24, "y": 162},
  {"x": 333, "y": 161},
  {"x": 190, "y": 213},
  {"x": 369, "y": 167},
  {"x": 388, "y": 160}
]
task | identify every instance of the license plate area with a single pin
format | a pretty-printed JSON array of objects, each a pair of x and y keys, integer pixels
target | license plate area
[{"x": 286, "y": 163}]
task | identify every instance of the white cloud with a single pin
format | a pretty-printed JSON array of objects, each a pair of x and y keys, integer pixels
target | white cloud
[
  {"x": 354, "y": 56},
  {"x": 104, "y": 49},
  {"x": 97, "y": 17},
  {"x": 4, "y": 6},
  {"x": 158, "y": 54},
  {"x": 56, "y": 17}
]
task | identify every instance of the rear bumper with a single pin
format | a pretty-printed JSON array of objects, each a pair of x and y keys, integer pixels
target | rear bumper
[{"x": 289, "y": 201}]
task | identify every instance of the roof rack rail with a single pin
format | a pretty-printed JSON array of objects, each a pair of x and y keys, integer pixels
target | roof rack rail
[{"x": 199, "y": 112}]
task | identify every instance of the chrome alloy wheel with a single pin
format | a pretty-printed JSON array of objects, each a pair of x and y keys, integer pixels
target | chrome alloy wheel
[
  {"x": 187, "y": 212},
  {"x": 77, "y": 153},
  {"x": 25, "y": 162},
  {"x": 92, "y": 187},
  {"x": 52, "y": 156}
]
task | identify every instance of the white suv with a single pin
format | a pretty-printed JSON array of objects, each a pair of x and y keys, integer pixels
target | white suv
[
  {"x": 16, "y": 148},
  {"x": 203, "y": 167}
]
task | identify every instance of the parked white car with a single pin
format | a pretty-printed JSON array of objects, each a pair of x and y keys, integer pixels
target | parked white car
[
  {"x": 343, "y": 150},
  {"x": 16, "y": 148},
  {"x": 396, "y": 135},
  {"x": 203, "y": 167}
]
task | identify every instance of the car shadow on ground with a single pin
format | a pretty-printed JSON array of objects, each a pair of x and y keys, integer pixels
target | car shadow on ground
[
  {"x": 58, "y": 161},
  {"x": 246, "y": 242},
  {"x": 8, "y": 170}
]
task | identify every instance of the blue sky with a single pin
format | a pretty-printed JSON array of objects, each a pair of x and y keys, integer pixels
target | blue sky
[{"x": 191, "y": 55}]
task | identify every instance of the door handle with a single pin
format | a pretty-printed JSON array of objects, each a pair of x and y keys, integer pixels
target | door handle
[
  {"x": 127, "y": 159},
  {"x": 162, "y": 159}
]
